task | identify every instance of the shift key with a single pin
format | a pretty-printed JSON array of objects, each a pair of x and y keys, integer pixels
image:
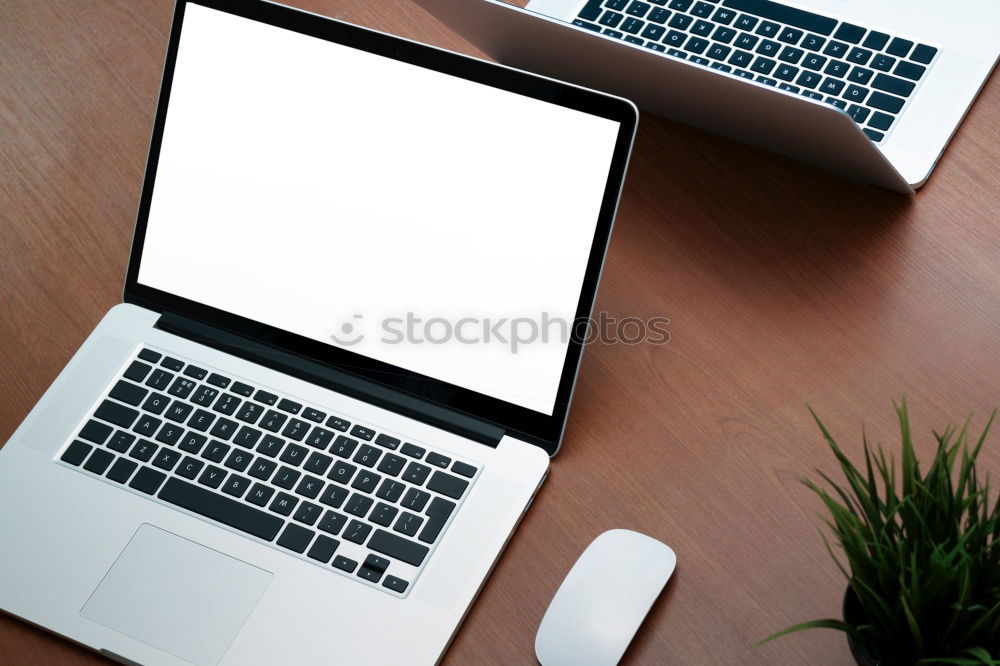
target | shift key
[{"x": 398, "y": 548}]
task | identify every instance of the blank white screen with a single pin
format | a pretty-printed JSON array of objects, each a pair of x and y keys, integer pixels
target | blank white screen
[{"x": 305, "y": 184}]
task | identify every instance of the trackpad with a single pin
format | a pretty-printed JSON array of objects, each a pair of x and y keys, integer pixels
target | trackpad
[{"x": 177, "y": 595}]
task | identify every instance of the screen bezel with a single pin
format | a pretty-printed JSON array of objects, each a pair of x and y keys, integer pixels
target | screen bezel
[{"x": 538, "y": 428}]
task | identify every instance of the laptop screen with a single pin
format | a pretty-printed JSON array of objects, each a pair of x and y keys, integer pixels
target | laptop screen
[{"x": 413, "y": 217}]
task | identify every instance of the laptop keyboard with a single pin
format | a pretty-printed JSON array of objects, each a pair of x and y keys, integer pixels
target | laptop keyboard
[
  {"x": 341, "y": 495},
  {"x": 869, "y": 74}
]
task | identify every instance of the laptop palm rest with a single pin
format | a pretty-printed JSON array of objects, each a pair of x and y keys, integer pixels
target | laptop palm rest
[{"x": 177, "y": 595}]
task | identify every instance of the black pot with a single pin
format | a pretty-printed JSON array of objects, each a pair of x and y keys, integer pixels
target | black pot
[{"x": 853, "y": 616}]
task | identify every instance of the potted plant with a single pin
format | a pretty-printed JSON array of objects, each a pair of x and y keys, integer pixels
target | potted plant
[{"x": 922, "y": 553}]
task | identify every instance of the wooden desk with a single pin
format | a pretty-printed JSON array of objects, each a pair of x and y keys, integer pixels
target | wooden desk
[{"x": 784, "y": 286}]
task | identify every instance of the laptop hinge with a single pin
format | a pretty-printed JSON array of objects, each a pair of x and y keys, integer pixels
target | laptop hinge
[{"x": 383, "y": 396}]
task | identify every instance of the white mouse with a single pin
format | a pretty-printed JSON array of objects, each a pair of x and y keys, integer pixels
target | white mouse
[{"x": 605, "y": 597}]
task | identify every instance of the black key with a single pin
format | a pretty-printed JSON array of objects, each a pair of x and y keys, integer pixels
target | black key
[
  {"x": 159, "y": 380},
  {"x": 366, "y": 481},
  {"x": 839, "y": 103},
  {"x": 369, "y": 574},
  {"x": 120, "y": 415},
  {"x": 717, "y": 52},
  {"x": 391, "y": 464},
  {"x": 147, "y": 480},
  {"x": 837, "y": 68},
  {"x": 227, "y": 404},
  {"x": 178, "y": 411},
  {"x": 98, "y": 461},
  {"x": 791, "y": 55},
  {"x": 166, "y": 459},
  {"x": 375, "y": 562},
  {"x": 273, "y": 420},
  {"x": 590, "y": 12},
  {"x": 324, "y": 547},
  {"x": 813, "y": 95},
  {"x": 677, "y": 54},
  {"x": 859, "y": 56},
  {"x": 270, "y": 446},
  {"x": 702, "y": 9},
  {"x": 343, "y": 446},
  {"x": 768, "y": 48},
  {"x": 381, "y": 515},
  {"x": 814, "y": 61},
  {"x": 881, "y": 121},
  {"x": 223, "y": 428},
  {"x": 240, "y": 388},
  {"x": 283, "y": 504},
  {"x": 137, "y": 371},
  {"x": 265, "y": 397},
  {"x": 307, "y": 513},
  {"x": 923, "y": 54},
  {"x": 295, "y": 538},
  {"x": 319, "y": 437},
  {"x": 172, "y": 363},
  {"x": 344, "y": 563},
  {"x": 680, "y": 21},
  {"x": 262, "y": 469},
  {"x": 637, "y": 8},
  {"x": 334, "y": 496},
  {"x": 412, "y": 450},
  {"x": 884, "y": 102},
  {"x": 238, "y": 460},
  {"x": 149, "y": 355},
  {"x": 813, "y": 42},
  {"x": 873, "y": 135},
  {"x": 855, "y": 94},
  {"x": 860, "y": 75},
  {"x": 313, "y": 415},
  {"x": 310, "y": 486},
  {"x": 702, "y": 28},
  {"x": 743, "y": 74},
  {"x": 192, "y": 442},
  {"x": 290, "y": 406},
  {"x": 259, "y": 494},
  {"x": 836, "y": 49},
  {"x": 741, "y": 59},
  {"x": 190, "y": 467},
  {"x": 876, "y": 40},
  {"x": 465, "y": 469},
  {"x": 724, "y": 16},
  {"x": 362, "y": 432},
  {"x": 286, "y": 478},
  {"x": 653, "y": 31},
  {"x": 218, "y": 380},
  {"x": 415, "y": 500},
  {"x": 767, "y": 81},
  {"x": 222, "y": 509},
  {"x": 437, "y": 515},
  {"x": 295, "y": 430},
  {"x": 367, "y": 455},
  {"x": 181, "y": 387},
  {"x": 317, "y": 463},
  {"x": 96, "y": 432},
  {"x": 408, "y": 524},
  {"x": 294, "y": 454},
  {"x": 832, "y": 86},
  {"x": 143, "y": 450},
  {"x": 894, "y": 85},
  {"x": 250, "y": 412},
  {"x": 390, "y": 490},
  {"x": 128, "y": 392},
  {"x": 121, "y": 470},
  {"x": 809, "y": 80},
  {"x": 398, "y": 548},
  {"x": 611, "y": 19},
  {"x": 905, "y": 69},
  {"x": 338, "y": 423},
  {"x": 196, "y": 372},
  {"x": 768, "y": 29},
  {"x": 387, "y": 441},
  {"x": 446, "y": 484},
  {"x": 696, "y": 45},
  {"x": 201, "y": 420},
  {"x": 357, "y": 531},
  {"x": 169, "y": 434},
  {"x": 247, "y": 437},
  {"x": 790, "y": 36},
  {"x": 395, "y": 584},
  {"x": 332, "y": 522},
  {"x": 763, "y": 65},
  {"x": 212, "y": 476},
  {"x": 680, "y": 5},
  {"x": 674, "y": 38},
  {"x": 358, "y": 505},
  {"x": 858, "y": 113},
  {"x": 156, "y": 403},
  {"x": 659, "y": 15},
  {"x": 786, "y": 72},
  {"x": 724, "y": 35},
  {"x": 236, "y": 485},
  {"x": 850, "y": 33},
  {"x": 883, "y": 62},
  {"x": 746, "y": 22},
  {"x": 899, "y": 47},
  {"x": 216, "y": 451}
]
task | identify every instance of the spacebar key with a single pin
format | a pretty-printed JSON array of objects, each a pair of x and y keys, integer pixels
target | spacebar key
[
  {"x": 242, "y": 517},
  {"x": 785, "y": 14}
]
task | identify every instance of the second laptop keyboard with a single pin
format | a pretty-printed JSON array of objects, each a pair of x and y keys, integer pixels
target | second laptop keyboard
[{"x": 870, "y": 74}]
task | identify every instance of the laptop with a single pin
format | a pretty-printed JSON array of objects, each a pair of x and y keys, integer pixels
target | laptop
[
  {"x": 271, "y": 453},
  {"x": 873, "y": 91}
]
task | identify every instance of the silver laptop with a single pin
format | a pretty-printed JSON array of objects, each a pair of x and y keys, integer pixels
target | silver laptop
[
  {"x": 271, "y": 452},
  {"x": 871, "y": 90}
]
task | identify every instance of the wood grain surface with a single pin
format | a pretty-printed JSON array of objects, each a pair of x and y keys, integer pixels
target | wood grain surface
[{"x": 784, "y": 286}]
